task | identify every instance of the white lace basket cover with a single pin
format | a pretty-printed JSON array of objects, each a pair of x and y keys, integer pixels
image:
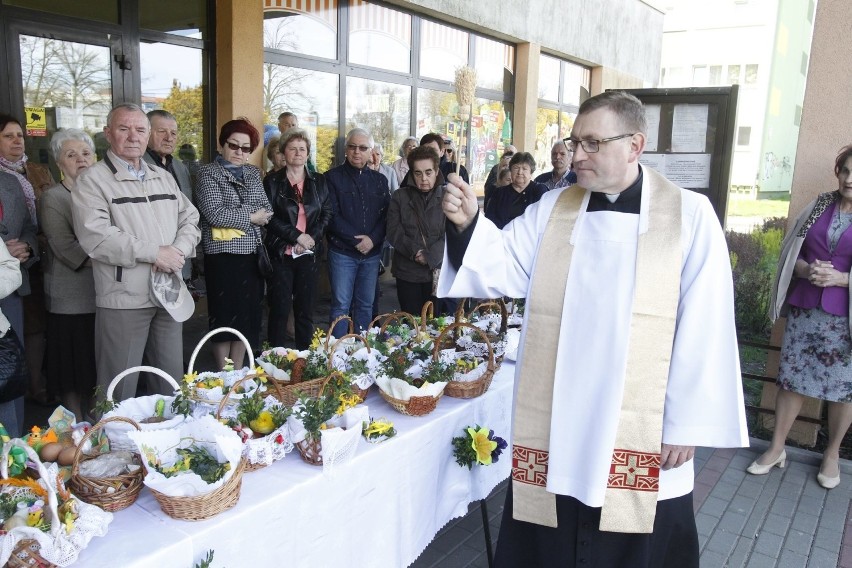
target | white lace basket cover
[
  {"x": 57, "y": 546},
  {"x": 267, "y": 449},
  {"x": 340, "y": 441}
]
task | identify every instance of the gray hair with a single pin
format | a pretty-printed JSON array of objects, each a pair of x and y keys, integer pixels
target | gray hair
[
  {"x": 291, "y": 134},
  {"x": 558, "y": 143},
  {"x": 360, "y": 132},
  {"x": 629, "y": 110},
  {"x": 402, "y": 146},
  {"x": 161, "y": 114},
  {"x": 377, "y": 147},
  {"x": 132, "y": 107},
  {"x": 66, "y": 134}
]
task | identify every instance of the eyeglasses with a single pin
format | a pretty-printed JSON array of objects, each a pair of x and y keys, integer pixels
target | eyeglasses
[
  {"x": 354, "y": 147},
  {"x": 236, "y": 147},
  {"x": 590, "y": 145}
]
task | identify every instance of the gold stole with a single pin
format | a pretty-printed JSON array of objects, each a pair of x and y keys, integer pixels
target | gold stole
[{"x": 631, "y": 495}]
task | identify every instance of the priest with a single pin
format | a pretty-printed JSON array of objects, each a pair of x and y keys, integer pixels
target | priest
[{"x": 628, "y": 358}]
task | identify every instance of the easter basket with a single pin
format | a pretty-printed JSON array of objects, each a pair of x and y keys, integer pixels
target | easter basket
[
  {"x": 112, "y": 493},
  {"x": 478, "y": 386},
  {"x": 27, "y": 546},
  {"x": 186, "y": 495},
  {"x": 261, "y": 451},
  {"x": 402, "y": 395},
  {"x": 360, "y": 385},
  {"x": 427, "y": 315},
  {"x": 138, "y": 410},
  {"x": 212, "y": 397}
]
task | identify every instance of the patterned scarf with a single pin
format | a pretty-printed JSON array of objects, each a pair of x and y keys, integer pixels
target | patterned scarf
[
  {"x": 822, "y": 203},
  {"x": 18, "y": 169}
]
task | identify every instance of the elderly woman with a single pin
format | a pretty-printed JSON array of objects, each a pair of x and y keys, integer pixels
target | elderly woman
[
  {"x": 69, "y": 286},
  {"x": 511, "y": 201},
  {"x": 34, "y": 179},
  {"x": 233, "y": 208},
  {"x": 812, "y": 289},
  {"x": 11, "y": 411},
  {"x": 301, "y": 211},
  {"x": 400, "y": 166},
  {"x": 416, "y": 228},
  {"x": 273, "y": 153},
  {"x": 491, "y": 182}
]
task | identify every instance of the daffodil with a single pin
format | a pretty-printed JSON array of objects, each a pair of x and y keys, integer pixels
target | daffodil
[
  {"x": 482, "y": 444},
  {"x": 292, "y": 356},
  {"x": 189, "y": 378}
]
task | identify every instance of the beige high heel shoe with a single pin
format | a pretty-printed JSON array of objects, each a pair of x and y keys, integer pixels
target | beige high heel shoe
[
  {"x": 758, "y": 469},
  {"x": 826, "y": 481}
]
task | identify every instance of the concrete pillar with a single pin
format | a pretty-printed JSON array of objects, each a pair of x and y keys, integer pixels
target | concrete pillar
[
  {"x": 239, "y": 65},
  {"x": 526, "y": 95}
]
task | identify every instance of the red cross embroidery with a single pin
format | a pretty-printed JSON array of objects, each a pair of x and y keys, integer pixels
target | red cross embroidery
[
  {"x": 529, "y": 465},
  {"x": 634, "y": 470}
]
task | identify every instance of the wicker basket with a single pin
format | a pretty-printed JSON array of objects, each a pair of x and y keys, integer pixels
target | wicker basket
[
  {"x": 504, "y": 315},
  {"x": 334, "y": 323},
  {"x": 471, "y": 389},
  {"x": 201, "y": 507},
  {"x": 26, "y": 555},
  {"x": 386, "y": 319},
  {"x": 428, "y": 312},
  {"x": 309, "y": 448},
  {"x": 95, "y": 490},
  {"x": 116, "y": 431},
  {"x": 414, "y": 406},
  {"x": 355, "y": 390},
  {"x": 222, "y": 403}
]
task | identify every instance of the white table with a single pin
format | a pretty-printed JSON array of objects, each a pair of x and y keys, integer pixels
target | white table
[{"x": 379, "y": 511}]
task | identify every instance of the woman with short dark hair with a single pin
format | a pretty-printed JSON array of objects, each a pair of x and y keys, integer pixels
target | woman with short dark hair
[
  {"x": 512, "y": 200},
  {"x": 233, "y": 207}
]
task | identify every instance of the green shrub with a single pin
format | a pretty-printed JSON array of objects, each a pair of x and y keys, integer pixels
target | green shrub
[{"x": 754, "y": 260}]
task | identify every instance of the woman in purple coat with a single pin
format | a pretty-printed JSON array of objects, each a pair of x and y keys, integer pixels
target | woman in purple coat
[{"x": 812, "y": 290}]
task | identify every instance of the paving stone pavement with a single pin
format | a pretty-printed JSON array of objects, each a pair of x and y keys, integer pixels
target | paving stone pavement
[{"x": 780, "y": 520}]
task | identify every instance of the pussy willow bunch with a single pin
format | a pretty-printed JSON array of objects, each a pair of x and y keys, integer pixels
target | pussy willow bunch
[{"x": 465, "y": 85}]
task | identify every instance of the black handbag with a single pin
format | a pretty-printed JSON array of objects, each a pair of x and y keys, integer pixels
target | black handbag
[
  {"x": 14, "y": 375},
  {"x": 264, "y": 263}
]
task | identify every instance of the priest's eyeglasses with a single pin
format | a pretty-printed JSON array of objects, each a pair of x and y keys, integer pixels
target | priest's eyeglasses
[{"x": 590, "y": 145}]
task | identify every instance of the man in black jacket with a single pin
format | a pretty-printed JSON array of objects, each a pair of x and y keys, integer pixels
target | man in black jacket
[{"x": 359, "y": 200}]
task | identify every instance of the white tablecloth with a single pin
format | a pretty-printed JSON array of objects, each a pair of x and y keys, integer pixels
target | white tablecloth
[{"x": 379, "y": 511}]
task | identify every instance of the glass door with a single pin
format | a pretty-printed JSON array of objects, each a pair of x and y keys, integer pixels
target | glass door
[{"x": 67, "y": 80}]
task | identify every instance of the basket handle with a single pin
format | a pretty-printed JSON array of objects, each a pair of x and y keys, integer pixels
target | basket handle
[
  {"x": 241, "y": 381},
  {"x": 436, "y": 352},
  {"x": 52, "y": 501},
  {"x": 140, "y": 368},
  {"x": 501, "y": 305},
  {"x": 398, "y": 316},
  {"x": 427, "y": 312},
  {"x": 75, "y": 463},
  {"x": 347, "y": 336},
  {"x": 213, "y": 332},
  {"x": 334, "y": 323}
]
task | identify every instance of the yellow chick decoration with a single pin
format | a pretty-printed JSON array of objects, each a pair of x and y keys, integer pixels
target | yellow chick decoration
[{"x": 263, "y": 424}]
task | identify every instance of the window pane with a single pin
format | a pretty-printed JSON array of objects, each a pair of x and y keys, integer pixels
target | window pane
[
  {"x": 100, "y": 10},
  {"x": 548, "y": 78},
  {"x": 301, "y": 27},
  {"x": 379, "y": 37},
  {"x": 751, "y": 74},
  {"x": 312, "y": 96},
  {"x": 715, "y": 75},
  {"x": 566, "y": 123},
  {"x": 172, "y": 81},
  {"x": 733, "y": 74},
  {"x": 495, "y": 65},
  {"x": 69, "y": 84},
  {"x": 185, "y": 18},
  {"x": 491, "y": 129},
  {"x": 442, "y": 50},
  {"x": 383, "y": 109},
  {"x": 546, "y": 134},
  {"x": 576, "y": 84}
]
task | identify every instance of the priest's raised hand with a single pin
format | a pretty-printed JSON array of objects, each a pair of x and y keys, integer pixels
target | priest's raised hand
[{"x": 460, "y": 204}]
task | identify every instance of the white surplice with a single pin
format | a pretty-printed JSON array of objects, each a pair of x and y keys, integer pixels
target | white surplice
[{"x": 704, "y": 400}]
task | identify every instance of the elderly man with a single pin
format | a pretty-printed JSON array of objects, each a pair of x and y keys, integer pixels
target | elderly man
[
  {"x": 359, "y": 201},
  {"x": 161, "y": 146},
  {"x": 138, "y": 227},
  {"x": 561, "y": 175},
  {"x": 639, "y": 366},
  {"x": 288, "y": 120}
]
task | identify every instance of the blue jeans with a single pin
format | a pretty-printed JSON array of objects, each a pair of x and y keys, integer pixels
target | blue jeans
[{"x": 353, "y": 283}]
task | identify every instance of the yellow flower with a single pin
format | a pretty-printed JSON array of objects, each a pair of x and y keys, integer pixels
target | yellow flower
[
  {"x": 189, "y": 378},
  {"x": 292, "y": 356},
  {"x": 319, "y": 335},
  {"x": 347, "y": 401},
  {"x": 263, "y": 424},
  {"x": 378, "y": 427},
  {"x": 482, "y": 445}
]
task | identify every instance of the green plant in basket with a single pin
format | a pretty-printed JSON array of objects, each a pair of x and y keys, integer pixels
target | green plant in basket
[
  {"x": 314, "y": 413},
  {"x": 194, "y": 458},
  {"x": 251, "y": 412}
]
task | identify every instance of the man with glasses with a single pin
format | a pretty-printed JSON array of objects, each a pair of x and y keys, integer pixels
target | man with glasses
[
  {"x": 359, "y": 201},
  {"x": 132, "y": 219},
  {"x": 639, "y": 366},
  {"x": 561, "y": 175}
]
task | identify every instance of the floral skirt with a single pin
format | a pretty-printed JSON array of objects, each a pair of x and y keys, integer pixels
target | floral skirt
[{"x": 816, "y": 355}]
